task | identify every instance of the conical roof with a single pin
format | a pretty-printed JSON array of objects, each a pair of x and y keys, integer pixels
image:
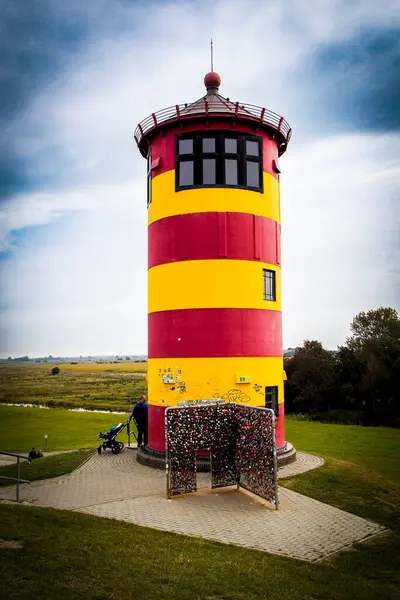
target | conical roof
[{"x": 213, "y": 104}]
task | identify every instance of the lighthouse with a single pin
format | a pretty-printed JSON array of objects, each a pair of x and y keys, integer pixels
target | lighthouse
[{"x": 214, "y": 258}]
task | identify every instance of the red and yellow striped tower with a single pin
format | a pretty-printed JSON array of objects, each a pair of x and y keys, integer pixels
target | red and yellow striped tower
[{"x": 214, "y": 278}]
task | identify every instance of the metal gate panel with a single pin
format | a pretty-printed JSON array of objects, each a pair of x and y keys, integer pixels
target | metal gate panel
[
  {"x": 181, "y": 473},
  {"x": 242, "y": 443},
  {"x": 190, "y": 429},
  {"x": 256, "y": 452}
]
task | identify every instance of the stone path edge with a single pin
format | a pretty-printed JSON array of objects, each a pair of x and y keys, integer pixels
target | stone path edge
[
  {"x": 349, "y": 547},
  {"x": 324, "y": 558}
]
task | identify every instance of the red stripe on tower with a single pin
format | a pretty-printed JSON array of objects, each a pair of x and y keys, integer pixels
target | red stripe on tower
[
  {"x": 211, "y": 235},
  {"x": 215, "y": 332}
]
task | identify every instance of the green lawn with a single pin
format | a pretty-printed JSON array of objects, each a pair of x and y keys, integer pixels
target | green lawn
[
  {"x": 361, "y": 472},
  {"x": 46, "y": 467},
  {"x": 70, "y": 556},
  {"x": 372, "y": 448},
  {"x": 22, "y": 428}
]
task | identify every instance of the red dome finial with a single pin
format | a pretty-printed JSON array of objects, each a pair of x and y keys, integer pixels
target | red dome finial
[{"x": 212, "y": 80}]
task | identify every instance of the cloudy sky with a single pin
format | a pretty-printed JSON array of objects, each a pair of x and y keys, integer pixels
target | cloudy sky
[{"x": 76, "y": 77}]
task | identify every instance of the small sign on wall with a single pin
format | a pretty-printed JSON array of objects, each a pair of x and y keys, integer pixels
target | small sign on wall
[{"x": 241, "y": 378}]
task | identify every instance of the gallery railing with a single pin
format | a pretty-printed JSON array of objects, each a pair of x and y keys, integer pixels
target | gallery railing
[{"x": 234, "y": 109}]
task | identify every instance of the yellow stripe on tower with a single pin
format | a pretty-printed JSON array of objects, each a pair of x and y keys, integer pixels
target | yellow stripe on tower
[
  {"x": 201, "y": 378},
  {"x": 211, "y": 284},
  {"x": 166, "y": 202}
]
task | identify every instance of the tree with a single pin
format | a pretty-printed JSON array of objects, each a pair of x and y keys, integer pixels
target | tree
[
  {"x": 375, "y": 327},
  {"x": 375, "y": 345},
  {"x": 363, "y": 376},
  {"x": 349, "y": 374},
  {"x": 311, "y": 378}
]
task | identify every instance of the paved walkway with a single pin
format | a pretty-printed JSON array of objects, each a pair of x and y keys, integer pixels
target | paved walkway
[
  {"x": 304, "y": 462},
  {"x": 120, "y": 488}
]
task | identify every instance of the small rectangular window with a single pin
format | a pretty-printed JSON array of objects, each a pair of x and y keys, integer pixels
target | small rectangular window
[
  {"x": 209, "y": 171},
  {"x": 230, "y": 146},
  {"x": 271, "y": 399},
  {"x": 231, "y": 171},
  {"x": 269, "y": 285},
  {"x": 186, "y": 172},
  {"x": 209, "y": 145},
  {"x": 252, "y": 148},
  {"x": 252, "y": 174},
  {"x": 186, "y": 146}
]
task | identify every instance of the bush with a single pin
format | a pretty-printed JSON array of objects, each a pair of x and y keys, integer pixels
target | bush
[{"x": 55, "y": 371}]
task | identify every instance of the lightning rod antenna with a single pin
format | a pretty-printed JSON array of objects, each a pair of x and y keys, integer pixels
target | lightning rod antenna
[{"x": 212, "y": 56}]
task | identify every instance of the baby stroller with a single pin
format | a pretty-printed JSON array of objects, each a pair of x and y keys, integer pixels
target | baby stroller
[{"x": 109, "y": 439}]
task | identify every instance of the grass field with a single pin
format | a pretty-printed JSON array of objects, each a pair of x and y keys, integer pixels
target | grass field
[
  {"x": 66, "y": 555},
  {"x": 372, "y": 448},
  {"x": 87, "y": 385},
  {"x": 90, "y": 367},
  {"x": 71, "y": 556},
  {"x": 46, "y": 467},
  {"x": 361, "y": 472},
  {"x": 22, "y": 428}
]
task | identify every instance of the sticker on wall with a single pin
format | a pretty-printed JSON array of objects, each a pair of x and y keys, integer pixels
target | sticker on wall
[{"x": 242, "y": 378}]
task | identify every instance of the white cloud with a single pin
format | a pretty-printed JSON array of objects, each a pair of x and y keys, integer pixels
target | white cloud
[
  {"x": 337, "y": 214},
  {"x": 84, "y": 291}
]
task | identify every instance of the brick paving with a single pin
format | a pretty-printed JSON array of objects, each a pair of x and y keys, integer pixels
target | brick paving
[
  {"x": 304, "y": 462},
  {"x": 118, "y": 487}
]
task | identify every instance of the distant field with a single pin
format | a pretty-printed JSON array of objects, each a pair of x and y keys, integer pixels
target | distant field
[
  {"x": 86, "y": 385},
  {"x": 120, "y": 367}
]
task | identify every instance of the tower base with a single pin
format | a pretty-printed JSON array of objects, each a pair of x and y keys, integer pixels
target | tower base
[{"x": 156, "y": 459}]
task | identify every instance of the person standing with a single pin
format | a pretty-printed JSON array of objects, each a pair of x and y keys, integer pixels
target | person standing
[{"x": 139, "y": 414}]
